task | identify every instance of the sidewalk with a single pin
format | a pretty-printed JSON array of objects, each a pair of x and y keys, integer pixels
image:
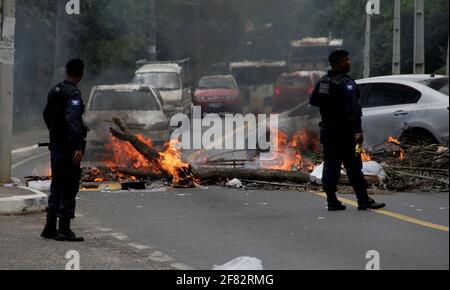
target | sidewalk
[
  {"x": 23, "y": 249},
  {"x": 20, "y": 200}
]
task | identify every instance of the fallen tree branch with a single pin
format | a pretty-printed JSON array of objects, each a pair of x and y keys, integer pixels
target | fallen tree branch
[
  {"x": 415, "y": 168},
  {"x": 423, "y": 177},
  {"x": 125, "y": 135},
  {"x": 252, "y": 174}
]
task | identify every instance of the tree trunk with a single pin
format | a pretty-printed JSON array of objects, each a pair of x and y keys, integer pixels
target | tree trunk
[{"x": 214, "y": 174}]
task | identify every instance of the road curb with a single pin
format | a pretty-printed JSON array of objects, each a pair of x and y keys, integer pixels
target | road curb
[{"x": 17, "y": 205}]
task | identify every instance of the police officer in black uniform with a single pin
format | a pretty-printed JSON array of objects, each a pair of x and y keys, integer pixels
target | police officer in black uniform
[
  {"x": 63, "y": 116},
  {"x": 337, "y": 96}
]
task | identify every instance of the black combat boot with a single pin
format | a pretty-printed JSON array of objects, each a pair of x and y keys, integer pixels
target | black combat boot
[
  {"x": 65, "y": 234},
  {"x": 333, "y": 202},
  {"x": 370, "y": 204},
  {"x": 50, "y": 231},
  {"x": 336, "y": 206}
]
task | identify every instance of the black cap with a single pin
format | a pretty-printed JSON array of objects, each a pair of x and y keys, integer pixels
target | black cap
[
  {"x": 75, "y": 68},
  {"x": 337, "y": 55}
]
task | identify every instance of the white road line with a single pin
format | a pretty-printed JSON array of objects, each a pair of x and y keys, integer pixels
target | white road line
[
  {"x": 26, "y": 149},
  {"x": 104, "y": 229},
  {"x": 139, "y": 246},
  {"x": 159, "y": 257},
  {"x": 119, "y": 236},
  {"x": 155, "y": 256},
  {"x": 20, "y": 163},
  {"x": 181, "y": 267}
]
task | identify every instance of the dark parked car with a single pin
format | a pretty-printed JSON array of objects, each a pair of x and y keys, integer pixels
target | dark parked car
[{"x": 294, "y": 88}]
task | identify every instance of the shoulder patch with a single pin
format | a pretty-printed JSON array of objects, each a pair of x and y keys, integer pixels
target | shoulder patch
[
  {"x": 349, "y": 88},
  {"x": 75, "y": 102},
  {"x": 57, "y": 89}
]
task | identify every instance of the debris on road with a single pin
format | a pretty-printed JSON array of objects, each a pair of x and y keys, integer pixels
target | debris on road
[
  {"x": 235, "y": 183},
  {"x": 41, "y": 185},
  {"x": 372, "y": 170},
  {"x": 423, "y": 167},
  {"x": 241, "y": 264},
  {"x": 135, "y": 164}
]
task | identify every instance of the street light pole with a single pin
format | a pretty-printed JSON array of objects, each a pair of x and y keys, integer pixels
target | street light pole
[
  {"x": 367, "y": 47},
  {"x": 61, "y": 44},
  {"x": 7, "y": 29},
  {"x": 419, "y": 38},
  {"x": 396, "y": 58},
  {"x": 152, "y": 47}
]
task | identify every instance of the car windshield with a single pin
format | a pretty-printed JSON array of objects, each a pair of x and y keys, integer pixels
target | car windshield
[
  {"x": 113, "y": 100},
  {"x": 217, "y": 83},
  {"x": 160, "y": 80}
]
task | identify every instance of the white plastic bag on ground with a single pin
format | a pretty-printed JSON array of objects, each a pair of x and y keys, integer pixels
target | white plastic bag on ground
[
  {"x": 369, "y": 168},
  {"x": 316, "y": 175},
  {"x": 375, "y": 169},
  {"x": 40, "y": 185},
  {"x": 235, "y": 183},
  {"x": 242, "y": 263}
]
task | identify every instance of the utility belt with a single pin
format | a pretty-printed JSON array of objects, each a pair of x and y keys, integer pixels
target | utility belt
[{"x": 62, "y": 145}]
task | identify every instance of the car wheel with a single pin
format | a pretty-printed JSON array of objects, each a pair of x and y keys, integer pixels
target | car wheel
[{"x": 417, "y": 137}]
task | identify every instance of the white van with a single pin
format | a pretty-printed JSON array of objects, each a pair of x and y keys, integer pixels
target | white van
[{"x": 170, "y": 80}]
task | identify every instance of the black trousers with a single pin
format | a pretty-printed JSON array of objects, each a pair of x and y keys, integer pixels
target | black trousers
[
  {"x": 338, "y": 150},
  {"x": 65, "y": 184}
]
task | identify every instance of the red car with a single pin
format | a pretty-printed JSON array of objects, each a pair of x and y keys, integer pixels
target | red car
[
  {"x": 218, "y": 94},
  {"x": 292, "y": 89}
]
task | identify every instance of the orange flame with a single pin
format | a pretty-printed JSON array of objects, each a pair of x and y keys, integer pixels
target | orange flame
[
  {"x": 288, "y": 154},
  {"x": 401, "y": 151},
  {"x": 48, "y": 172},
  {"x": 283, "y": 157},
  {"x": 393, "y": 140},
  {"x": 123, "y": 154},
  {"x": 365, "y": 156},
  {"x": 172, "y": 163},
  {"x": 303, "y": 141}
]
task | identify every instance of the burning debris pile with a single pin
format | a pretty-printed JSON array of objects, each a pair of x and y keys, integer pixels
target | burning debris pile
[
  {"x": 135, "y": 161},
  {"x": 295, "y": 154},
  {"x": 167, "y": 163},
  {"x": 424, "y": 167}
]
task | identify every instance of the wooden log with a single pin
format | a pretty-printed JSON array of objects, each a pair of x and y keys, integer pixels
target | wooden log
[
  {"x": 371, "y": 179},
  {"x": 125, "y": 135},
  {"x": 139, "y": 173},
  {"x": 220, "y": 173},
  {"x": 250, "y": 174},
  {"x": 183, "y": 174}
]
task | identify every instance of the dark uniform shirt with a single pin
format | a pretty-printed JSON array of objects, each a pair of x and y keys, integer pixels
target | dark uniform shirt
[
  {"x": 63, "y": 116},
  {"x": 337, "y": 96}
]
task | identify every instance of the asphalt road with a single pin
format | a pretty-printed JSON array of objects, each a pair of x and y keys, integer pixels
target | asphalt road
[{"x": 210, "y": 226}]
